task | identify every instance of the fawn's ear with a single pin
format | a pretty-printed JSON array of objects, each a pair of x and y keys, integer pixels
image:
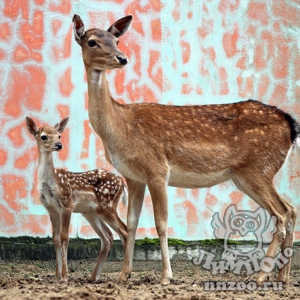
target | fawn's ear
[
  {"x": 78, "y": 28},
  {"x": 31, "y": 126},
  {"x": 60, "y": 127},
  {"x": 120, "y": 27}
]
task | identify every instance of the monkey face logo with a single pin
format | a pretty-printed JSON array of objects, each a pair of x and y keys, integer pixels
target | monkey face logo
[{"x": 243, "y": 223}]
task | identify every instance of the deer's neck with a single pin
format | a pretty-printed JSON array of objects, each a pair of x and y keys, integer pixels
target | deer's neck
[
  {"x": 46, "y": 171},
  {"x": 103, "y": 110}
]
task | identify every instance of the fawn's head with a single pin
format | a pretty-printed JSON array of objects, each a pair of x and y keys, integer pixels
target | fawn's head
[
  {"x": 100, "y": 47},
  {"x": 47, "y": 137}
]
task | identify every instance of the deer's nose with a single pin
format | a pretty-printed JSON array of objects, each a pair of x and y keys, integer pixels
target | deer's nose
[{"x": 122, "y": 59}]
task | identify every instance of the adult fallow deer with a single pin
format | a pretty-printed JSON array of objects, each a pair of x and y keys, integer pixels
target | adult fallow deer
[
  {"x": 185, "y": 146},
  {"x": 95, "y": 194}
]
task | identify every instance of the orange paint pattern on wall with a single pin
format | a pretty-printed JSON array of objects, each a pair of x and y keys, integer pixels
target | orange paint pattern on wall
[
  {"x": 22, "y": 92},
  {"x": 3, "y": 157},
  {"x": 15, "y": 189},
  {"x": 180, "y": 52},
  {"x": 65, "y": 83},
  {"x": 23, "y": 161},
  {"x": 230, "y": 40},
  {"x": 15, "y": 135}
]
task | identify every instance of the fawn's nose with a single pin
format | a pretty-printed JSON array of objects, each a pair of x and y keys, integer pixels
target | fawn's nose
[
  {"x": 58, "y": 145},
  {"x": 122, "y": 59}
]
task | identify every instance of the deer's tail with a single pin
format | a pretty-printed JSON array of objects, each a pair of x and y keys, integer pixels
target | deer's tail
[{"x": 295, "y": 129}]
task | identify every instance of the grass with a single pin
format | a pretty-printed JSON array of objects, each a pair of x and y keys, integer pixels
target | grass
[
  {"x": 146, "y": 241},
  {"x": 155, "y": 241},
  {"x": 40, "y": 265}
]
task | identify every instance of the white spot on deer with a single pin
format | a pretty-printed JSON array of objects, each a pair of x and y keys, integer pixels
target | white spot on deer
[{"x": 106, "y": 191}]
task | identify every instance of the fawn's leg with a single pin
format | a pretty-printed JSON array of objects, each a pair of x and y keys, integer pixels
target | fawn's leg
[
  {"x": 136, "y": 191},
  {"x": 113, "y": 220},
  {"x": 46, "y": 198},
  {"x": 55, "y": 221},
  {"x": 106, "y": 238},
  {"x": 64, "y": 241}
]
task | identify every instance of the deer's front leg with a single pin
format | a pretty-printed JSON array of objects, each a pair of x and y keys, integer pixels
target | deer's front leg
[
  {"x": 64, "y": 241},
  {"x": 136, "y": 191},
  {"x": 158, "y": 192}
]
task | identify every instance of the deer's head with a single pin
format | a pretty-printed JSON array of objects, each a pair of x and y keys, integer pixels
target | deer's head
[
  {"x": 100, "y": 47},
  {"x": 47, "y": 137}
]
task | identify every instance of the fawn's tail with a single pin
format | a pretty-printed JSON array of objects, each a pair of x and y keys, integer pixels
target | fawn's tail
[
  {"x": 124, "y": 195},
  {"x": 122, "y": 192}
]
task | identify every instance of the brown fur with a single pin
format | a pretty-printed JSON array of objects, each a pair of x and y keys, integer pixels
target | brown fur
[
  {"x": 95, "y": 194},
  {"x": 186, "y": 146}
]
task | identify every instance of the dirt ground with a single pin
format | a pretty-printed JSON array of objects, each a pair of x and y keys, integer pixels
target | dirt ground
[{"x": 35, "y": 280}]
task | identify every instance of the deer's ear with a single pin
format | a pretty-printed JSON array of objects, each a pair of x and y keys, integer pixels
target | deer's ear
[
  {"x": 60, "y": 127},
  {"x": 78, "y": 28},
  {"x": 31, "y": 126},
  {"x": 120, "y": 27}
]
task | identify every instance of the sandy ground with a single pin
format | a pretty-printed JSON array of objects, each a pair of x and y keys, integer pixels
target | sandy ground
[{"x": 35, "y": 280}]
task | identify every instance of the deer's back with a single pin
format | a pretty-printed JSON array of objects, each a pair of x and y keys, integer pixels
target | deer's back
[{"x": 204, "y": 139}]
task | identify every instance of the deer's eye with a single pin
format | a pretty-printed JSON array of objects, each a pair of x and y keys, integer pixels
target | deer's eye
[
  {"x": 59, "y": 136},
  {"x": 44, "y": 138},
  {"x": 92, "y": 43}
]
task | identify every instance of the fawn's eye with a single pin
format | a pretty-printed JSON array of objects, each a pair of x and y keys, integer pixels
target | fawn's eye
[
  {"x": 44, "y": 138},
  {"x": 92, "y": 43},
  {"x": 59, "y": 136}
]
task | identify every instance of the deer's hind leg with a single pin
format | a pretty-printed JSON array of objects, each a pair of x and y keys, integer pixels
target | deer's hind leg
[
  {"x": 263, "y": 193},
  {"x": 286, "y": 247},
  {"x": 106, "y": 238}
]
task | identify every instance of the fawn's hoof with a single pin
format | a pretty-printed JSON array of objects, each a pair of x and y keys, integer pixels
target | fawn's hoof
[{"x": 124, "y": 278}]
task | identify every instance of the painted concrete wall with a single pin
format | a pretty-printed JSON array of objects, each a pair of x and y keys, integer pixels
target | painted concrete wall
[{"x": 180, "y": 51}]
